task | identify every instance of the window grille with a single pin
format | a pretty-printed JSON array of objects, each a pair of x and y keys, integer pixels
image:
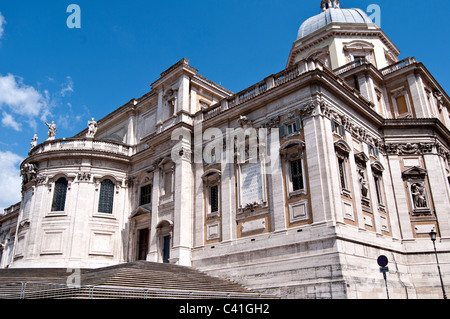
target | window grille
[
  {"x": 214, "y": 198},
  {"x": 146, "y": 195},
  {"x": 297, "y": 175},
  {"x": 105, "y": 204},
  {"x": 59, "y": 196}
]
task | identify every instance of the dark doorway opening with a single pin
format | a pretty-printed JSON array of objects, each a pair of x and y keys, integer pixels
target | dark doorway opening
[
  {"x": 143, "y": 243},
  {"x": 166, "y": 249}
]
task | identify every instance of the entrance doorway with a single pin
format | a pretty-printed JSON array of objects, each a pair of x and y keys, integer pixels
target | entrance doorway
[
  {"x": 143, "y": 243},
  {"x": 166, "y": 250},
  {"x": 164, "y": 240}
]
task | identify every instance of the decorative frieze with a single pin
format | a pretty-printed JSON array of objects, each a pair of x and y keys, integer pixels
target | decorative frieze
[
  {"x": 408, "y": 148},
  {"x": 356, "y": 130}
]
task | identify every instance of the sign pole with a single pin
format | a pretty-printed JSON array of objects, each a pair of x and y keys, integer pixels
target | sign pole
[
  {"x": 384, "y": 270},
  {"x": 383, "y": 262}
]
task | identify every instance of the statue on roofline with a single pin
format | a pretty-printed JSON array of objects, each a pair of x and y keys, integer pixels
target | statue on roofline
[
  {"x": 92, "y": 128},
  {"x": 51, "y": 130}
]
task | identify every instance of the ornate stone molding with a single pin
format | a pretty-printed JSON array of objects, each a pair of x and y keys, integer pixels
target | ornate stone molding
[
  {"x": 408, "y": 148},
  {"x": 273, "y": 122},
  {"x": 84, "y": 177},
  {"x": 310, "y": 109},
  {"x": 28, "y": 172},
  {"x": 357, "y": 131}
]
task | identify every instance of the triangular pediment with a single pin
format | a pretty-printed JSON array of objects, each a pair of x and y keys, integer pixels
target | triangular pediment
[
  {"x": 140, "y": 211},
  {"x": 414, "y": 173}
]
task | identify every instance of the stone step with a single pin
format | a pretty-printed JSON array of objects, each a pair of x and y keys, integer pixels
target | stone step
[
  {"x": 138, "y": 274},
  {"x": 161, "y": 276}
]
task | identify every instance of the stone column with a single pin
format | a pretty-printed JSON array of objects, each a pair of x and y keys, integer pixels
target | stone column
[
  {"x": 183, "y": 208},
  {"x": 439, "y": 194},
  {"x": 153, "y": 244}
]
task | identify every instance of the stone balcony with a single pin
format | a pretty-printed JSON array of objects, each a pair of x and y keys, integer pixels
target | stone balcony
[{"x": 82, "y": 144}]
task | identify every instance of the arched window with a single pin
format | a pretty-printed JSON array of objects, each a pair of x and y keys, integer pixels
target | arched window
[
  {"x": 59, "y": 196},
  {"x": 106, "y": 200}
]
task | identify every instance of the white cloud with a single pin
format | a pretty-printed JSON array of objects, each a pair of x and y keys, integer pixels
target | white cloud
[
  {"x": 11, "y": 180},
  {"x": 22, "y": 99},
  {"x": 68, "y": 87},
  {"x": 2, "y": 25},
  {"x": 9, "y": 121},
  {"x": 23, "y": 104}
]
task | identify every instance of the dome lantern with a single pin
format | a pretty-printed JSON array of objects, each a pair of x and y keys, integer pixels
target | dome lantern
[
  {"x": 338, "y": 36},
  {"x": 327, "y": 4}
]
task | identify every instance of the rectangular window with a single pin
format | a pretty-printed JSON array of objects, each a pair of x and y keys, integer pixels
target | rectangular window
[
  {"x": 214, "y": 198},
  {"x": 297, "y": 175},
  {"x": 168, "y": 182},
  {"x": 402, "y": 107},
  {"x": 292, "y": 128},
  {"x": 146, "y": 195},
  {"x": 106, "y": 199},
  {"x": 342, "y": 178},
  {"x": 59, "y": 196},
  {"x": 288, "y": 129},
  {"x": 378, "y": 189},
  {"x": 337, "y": 128}
]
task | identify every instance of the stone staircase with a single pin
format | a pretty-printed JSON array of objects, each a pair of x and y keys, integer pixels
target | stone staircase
[
  {"x": 46, "y": 275},
  {"x": 135, "y": 280},
  {"x": 141, "y": 274}
]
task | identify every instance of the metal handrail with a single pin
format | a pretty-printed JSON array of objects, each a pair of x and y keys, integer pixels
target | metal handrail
[{"x": 38, "y": 290}]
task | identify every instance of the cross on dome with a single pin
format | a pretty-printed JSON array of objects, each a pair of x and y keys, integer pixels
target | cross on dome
[{"x": 327, "y": 4}]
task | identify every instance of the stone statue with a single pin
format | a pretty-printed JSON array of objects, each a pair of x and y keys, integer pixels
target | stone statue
[
  {"x": 28, "y": 173},
  {"x": 364, "y": 183},
  {"x": 34, "y": 141},
  {"x": 51, "y": 130},
  {"x": 418, "y": 194},
  {"x": 92, "y": 128}
]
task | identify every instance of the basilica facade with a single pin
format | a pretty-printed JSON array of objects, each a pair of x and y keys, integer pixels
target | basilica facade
[{"x": 293, "y": 186}]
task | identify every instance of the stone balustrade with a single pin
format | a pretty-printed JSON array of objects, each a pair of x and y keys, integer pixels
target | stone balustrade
[
  {"x": 262, "y": 87},
  {"x": 79, "y": 144},
  {"x": 397, "y": 66}
]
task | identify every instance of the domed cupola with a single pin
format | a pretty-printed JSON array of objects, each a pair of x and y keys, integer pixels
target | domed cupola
[
  {"x": 332, "y": 13},
  {"x": 338, "y": 36}
]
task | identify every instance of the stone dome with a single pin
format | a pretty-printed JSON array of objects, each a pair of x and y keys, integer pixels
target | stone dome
[{"x": 332, "y": 15}]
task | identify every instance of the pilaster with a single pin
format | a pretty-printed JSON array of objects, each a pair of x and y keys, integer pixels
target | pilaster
[
  {"x": 439, "y": 185},
  {"x": 418, "y": 95},
  {"x": 277, "y": 184},
  {"x": 183, "y": 209},
  {"x": 400, "y": 197},
  {"x": 320, "y": 178}
]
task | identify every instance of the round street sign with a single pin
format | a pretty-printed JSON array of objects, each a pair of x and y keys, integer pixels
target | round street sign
[{"x": 382, "y": 261}]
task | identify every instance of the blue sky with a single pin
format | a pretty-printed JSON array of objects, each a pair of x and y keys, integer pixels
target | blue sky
[{"x": 50, "y": 72}]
